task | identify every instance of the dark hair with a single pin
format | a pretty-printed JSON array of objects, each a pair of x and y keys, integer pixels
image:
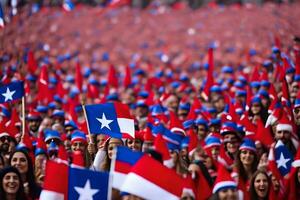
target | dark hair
[
  {"x": 34, "y": 189},
  {"x": 252, "y": 192},
  {"x": 20, "y": 195},
  {"x": 2, "y": 160},
  {"x": 263, "y": 113},
  {"x": 105, "y": 165},
  {"x": 240, "y": 168}
]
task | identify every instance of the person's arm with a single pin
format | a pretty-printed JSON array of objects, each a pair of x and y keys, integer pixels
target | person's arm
[{"x": 99, "y": 158}]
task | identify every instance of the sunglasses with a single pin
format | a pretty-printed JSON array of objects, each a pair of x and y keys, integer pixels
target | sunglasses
[{"x": 5, "y": 138}]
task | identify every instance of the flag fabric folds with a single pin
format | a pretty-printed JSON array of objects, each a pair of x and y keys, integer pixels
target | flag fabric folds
[
  {"x": 123, "y": 161},
  {"x": 143, "y": 181},
  {"x": 11, "y": 91},
  {"x": 283, "y": 157},
  {"x": 74, "y": 183},
  {"x": 112, "y": 119}
]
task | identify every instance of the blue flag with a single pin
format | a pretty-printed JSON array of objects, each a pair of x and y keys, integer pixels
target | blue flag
[
  {"x": 11, "y": 91},
  {"x": 283, "y": 158}
]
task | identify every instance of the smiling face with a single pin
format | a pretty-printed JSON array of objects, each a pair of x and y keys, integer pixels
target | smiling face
[
  {"x": 113, "y": 142},
  {"x": 261, "y": 185},
  {"x": 246, "y": 157},
  {"x": 11, "y": 183},
  {"x": 20, "y": 162},
  {"x": 227, "y": 194}
]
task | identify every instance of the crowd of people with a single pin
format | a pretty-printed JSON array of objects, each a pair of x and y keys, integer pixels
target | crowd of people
[{"x": 236, "y": 126}]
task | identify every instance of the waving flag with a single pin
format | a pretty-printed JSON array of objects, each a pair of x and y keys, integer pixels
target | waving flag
[
  {"x": 1, "y": 17},
  {"x": 123, "y": 161},
  {"x": 63, "y": 182},
  {"x": 11, "y": 91},
  {"x": 283, "y": 157},
  {"x": 111, "y": 119},
  {"x": 68, "y": 5},
  {"x": 144, "y": 182}
]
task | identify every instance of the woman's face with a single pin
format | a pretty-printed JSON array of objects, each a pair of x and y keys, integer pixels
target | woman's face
[
  {"x": 215, "y": 152},
  {"x": 113, "y": 142},
  {"x": 100, "y": 140},
  {"x": 255, "y": 108},
  {"x": 40, "y": 161},
  {"x": 78, "y": 146},
  {"x": 261, "y": 185},
  {"x": 233, "y": 144},
  {"x": 227, "y": 194},
  {"x": 246, "y": 157},
  {"x": 11, "y": 183},
  {"x": 20, "y": 162},
  {"x": 134, "y": 144}
]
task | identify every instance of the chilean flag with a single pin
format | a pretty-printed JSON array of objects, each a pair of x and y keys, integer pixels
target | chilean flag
[
  {"x": 1, "y": 17},
  {"x": 149, "y": 179},
  {"x": 122, "y": 163},
  {"x": 63, "y": 182},
  {"x": 112, "y": 119}
]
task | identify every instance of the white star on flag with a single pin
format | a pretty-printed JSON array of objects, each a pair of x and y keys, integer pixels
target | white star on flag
[
  {"x": 86, "y": 193},
  {"x": 8, "y": 94},
  {"x": 282, "y": 161},
  {"x": 104, "y": 122}
]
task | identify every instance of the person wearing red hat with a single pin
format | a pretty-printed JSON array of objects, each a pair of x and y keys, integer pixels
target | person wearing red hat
[
  {"x": 284, "y": 131},
  {"x": 246, "y": 163},
  {"x": 34, "y": 120},
  {"x": 136, "y": 143},
  {"x": 224, "y": 187},
  {"x": 5, "y": 142}
]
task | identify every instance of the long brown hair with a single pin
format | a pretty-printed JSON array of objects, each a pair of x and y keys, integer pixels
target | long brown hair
[
  {"x": 252, "y": 192},
  {"x": 240, "y": 168}
]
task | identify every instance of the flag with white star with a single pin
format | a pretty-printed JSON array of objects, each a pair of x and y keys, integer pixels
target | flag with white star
[
  {"x": 112, "y": 119},
  {"x": 63, "y": 182},
  {"x": 12, "y": 91},
  {"x": 283, "y": 157},
  {"x": 87, "y": 184}
]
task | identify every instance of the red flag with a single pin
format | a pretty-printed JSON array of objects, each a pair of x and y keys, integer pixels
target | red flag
[
  {"x": 160, "y": 145},
  {"x": 112, "y": 77},
  {"x": 127, "y": 77},
  {"x": 209, "y": 77},
  {"x": 78, "y": 77},
  {"x": 32, "y": 64},
  {"x": 263, "y": 134},
  {"x": 44, "y": 94}
]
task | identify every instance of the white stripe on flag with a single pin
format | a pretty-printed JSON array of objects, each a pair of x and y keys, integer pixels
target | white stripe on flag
[
  {"x": 139, "y": 186},
  {"x": 118, "y": 180},
  {"x": 50, "y": 195},
  {"x": 126, "y": 126}
]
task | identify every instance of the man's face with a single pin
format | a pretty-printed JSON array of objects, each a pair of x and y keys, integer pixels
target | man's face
[
  {"x": 297, "y": 115},
  {"x": 34, "y": 125},
  {"x": 4, "y": 143},
  {"x": 282, "y": 135}
]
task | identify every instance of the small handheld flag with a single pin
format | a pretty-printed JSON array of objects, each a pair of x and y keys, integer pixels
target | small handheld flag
[
  {"x": 11, "y": 91},
  {"x": 112, "y": 119}
]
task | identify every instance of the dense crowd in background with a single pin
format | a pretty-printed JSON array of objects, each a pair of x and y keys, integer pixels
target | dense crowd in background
[{"x": 232, "y": 108}]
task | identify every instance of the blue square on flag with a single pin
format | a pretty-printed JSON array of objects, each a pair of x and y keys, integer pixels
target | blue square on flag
[
  {"x": 11, "y": 91},
  {"x": 283, "y": 158},
  {"x": 87, "y": 184},
  {"x": 112, "y": 119}
]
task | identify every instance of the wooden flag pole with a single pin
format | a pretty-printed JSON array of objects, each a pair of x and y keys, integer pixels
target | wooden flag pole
[
  {"x": 87, "y": 123},
  {"x": 23, "y": 117}
]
